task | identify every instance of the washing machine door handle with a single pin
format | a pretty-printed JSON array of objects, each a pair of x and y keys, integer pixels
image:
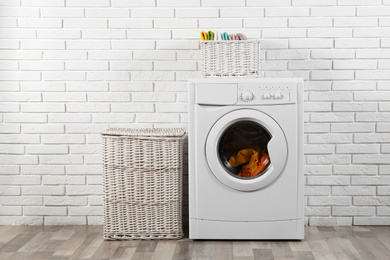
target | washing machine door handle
[{"x": 277, "y": 150}]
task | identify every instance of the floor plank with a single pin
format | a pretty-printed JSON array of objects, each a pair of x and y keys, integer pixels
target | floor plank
[{"x": 86, "y": 242}]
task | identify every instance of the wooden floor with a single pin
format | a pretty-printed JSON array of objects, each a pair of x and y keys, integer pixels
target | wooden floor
[{"x": 85, "y": 242}]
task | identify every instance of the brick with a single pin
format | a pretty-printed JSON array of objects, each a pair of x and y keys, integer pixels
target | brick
[
  {"x": 18, "y": 138},
  {"x": 42, "y": 129},
  {"x": 127, "y": 23},
  {"x": 355, "y": 106},
  {"x": 359, "y": 2},
  {"x": 44, "y": 211},
  {"x": 133, "y": 44},
  {"x": 65, "y": 55},
  {"x": 371, "y": 180},
  {"x": 354, "y": 85},
  {"x": 371, "y": 159},
  {"x": 83, "y": 169},
  {"x": 6, "y": 33},
  {"x": 125, "y": 3},
  {"x": 380, "y": 221},
  {"x": 383, "y": 210},
  {"x": 313, "y": 2},
  {"x": 373, "y": 11},
  {"x": 108, "y": 76},
  {"x": 330, "y": 221},
  {"x": 64, "y": 97},
  {"x": 10, "y": 129},
  {"x": 86, "y": 23},
  {"x": 25, "y": 118},
  {"x": 330, "y": 201},
  {"x": 309, "y": 65},
  {"x": 288, "y": 54},
  {"x": 9, "y": 169},
  {"x": 149, "y": 33},
  {"x": 11, "y": 149},
  {"x": 357, "y": 148},
  {"x": 104, "y": 34},
  {"x": 107, "y": 12},
  {"x": 21, "y": 220},
  {"x": 332, "y": 75},
  {"x": 86, "y": 86},
  {"x": 157, "y": 12},
  {"x": 330, "y": 138},
  {"x": 43, "y": 3},
  {"x": 310, "y": 22},
  {"x": 47, "y": 149},
  {"x": 384, "y": 128},
  {"x": 330, "y": 96},
  {"x": 42, "y": 107},
  {"x": 8, "y": 22},
  {"x": 18, "y": 200},
  {"x": 131, "y": 65},
  {"x": 357, "y": 43},
  {"x": 58, "y": 34},
  {"x": 156, "y": 117},
  {"x": 355, "y": 169},
  {"x": 372, "y": 138},
  {"x": 355, "y": 22},
  {"x": 86, "y": 65},
  {"x": 111, "y": 117},
  {"x": 287, "y": 11},
  {"x": 154, "y": 55},
  {"x": 42, "y": 86},
  {"x": 91, "y": 210},
  {"x": 41, "y": 65},
  {"x": 9, "y": 191},
  {"x": 19, "y": 12},
  {"x": 62, "y": 180},
  {"x": 43, "y": 190},
  {"x": 355, "y": 64},
  {"x": 60, "y": 159},
  {"x": 19, "y": 76},
  {"x": 152, "y": 75},
  {"x": 95, "y": 180},
  {"x": 132, "y": 87},
  {"x": 317, "y": 190},
  {"x": 372, "y": 96},
  {"x": 88, "y": 3},
  {"x": 177, "y": 45},
  {"x": 108, "y": 97},
  {"x": 70, "y": 118},
  {"x": 9, "y": 65},
  {"x": 332, "y": 117},
  {"x": 370, "y": 201},
  {"x": 333, "y": 54},
  {"x": 85, "y": 149},
  {"x": 94, "y": 107},
  {"x": 372, "y": 117},
  {"x": 110, "y": 55},
  {"x": 284, "y": 33},
  {"x": 59, "y": 139},
  {"x": 328, "y": 159},
  {"x": 371, "y": 32},
  {"x": 384, "y": 190},
  {"x": 42, "y": 169},
  {"x": 65, "y": 201},
  {"x": 333, "y": 11},
  {"x": 353, "y": 190},
  {"x": 60, "y": 221},
  {"x": 9, "y": 107},
  {"x": 38, "y": 44},
  {"x": 40, "y": 23},
  {"x": 319, "y": 149},
  {"x": 88, "y": 45},
  {"x": 84, "y": 190},
  {"x": 353, "y": 211}
]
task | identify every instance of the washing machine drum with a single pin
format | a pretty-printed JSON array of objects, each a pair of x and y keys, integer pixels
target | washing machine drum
[{"x": 246, "y": 150}]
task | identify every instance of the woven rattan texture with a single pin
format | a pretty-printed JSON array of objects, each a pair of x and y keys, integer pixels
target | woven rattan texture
[
  {"x": 230, "y": 58},
  {"x": 142, "y": 187}
]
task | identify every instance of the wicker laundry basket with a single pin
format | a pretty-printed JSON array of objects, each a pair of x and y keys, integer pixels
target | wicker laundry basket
[
  {"x": 142, "y": 181},
  {"x": 230, "y": 58}
]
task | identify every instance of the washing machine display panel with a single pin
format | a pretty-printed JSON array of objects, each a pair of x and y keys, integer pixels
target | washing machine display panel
[{"x": 243, "y": 149}]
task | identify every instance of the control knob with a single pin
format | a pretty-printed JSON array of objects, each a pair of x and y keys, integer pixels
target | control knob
[{"x": 247, "y": 96}]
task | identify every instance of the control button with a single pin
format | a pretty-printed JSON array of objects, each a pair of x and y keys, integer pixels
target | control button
[
  {"x": 266, "y": 96},
  {"x": 247, "y": 96},
  {"x": 278, "y": 96}
]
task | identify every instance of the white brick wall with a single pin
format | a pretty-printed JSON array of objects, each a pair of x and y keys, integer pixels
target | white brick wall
[{"x": 71, "y": 68}]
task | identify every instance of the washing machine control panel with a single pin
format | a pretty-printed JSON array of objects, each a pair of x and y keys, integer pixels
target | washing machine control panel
[{"x": 267, "y": 93}]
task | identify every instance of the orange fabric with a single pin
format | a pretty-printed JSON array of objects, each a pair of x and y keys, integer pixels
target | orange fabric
[
  {"x": 244, "y": 156},
  {"x": 247, "y": 172}
]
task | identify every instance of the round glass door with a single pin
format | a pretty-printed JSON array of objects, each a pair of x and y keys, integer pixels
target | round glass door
[
  {"x": 243, "y": 149},
  {"x": 246, "y": 150}
]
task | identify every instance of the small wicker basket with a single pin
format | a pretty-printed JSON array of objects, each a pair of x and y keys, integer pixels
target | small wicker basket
[
  {"x": 142, "y": 181},
  {"x": 230, "y": 58}
]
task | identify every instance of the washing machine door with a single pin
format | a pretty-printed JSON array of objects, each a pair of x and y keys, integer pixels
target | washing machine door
[{"x": 246, "y": 150}]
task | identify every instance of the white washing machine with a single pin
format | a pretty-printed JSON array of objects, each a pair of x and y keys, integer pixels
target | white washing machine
[{"x": 246, "y": 158}]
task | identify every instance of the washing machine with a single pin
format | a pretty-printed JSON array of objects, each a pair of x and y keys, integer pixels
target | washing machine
[{"x": 246, "y": 158}]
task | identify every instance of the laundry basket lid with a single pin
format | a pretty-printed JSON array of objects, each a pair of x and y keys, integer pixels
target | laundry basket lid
[{"x": 146, "y": 132}]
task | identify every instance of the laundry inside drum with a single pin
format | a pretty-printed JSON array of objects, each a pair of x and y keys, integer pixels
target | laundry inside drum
[{"x": 243, "y": 149}]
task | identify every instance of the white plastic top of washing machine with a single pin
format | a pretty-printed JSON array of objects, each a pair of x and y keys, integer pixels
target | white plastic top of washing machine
[{"x": 246, "y": 91}]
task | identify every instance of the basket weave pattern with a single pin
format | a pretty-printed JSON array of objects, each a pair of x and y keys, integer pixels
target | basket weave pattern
[
  {"x": 230, "y": 58},
  {"x": 142, "y": 183}
]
